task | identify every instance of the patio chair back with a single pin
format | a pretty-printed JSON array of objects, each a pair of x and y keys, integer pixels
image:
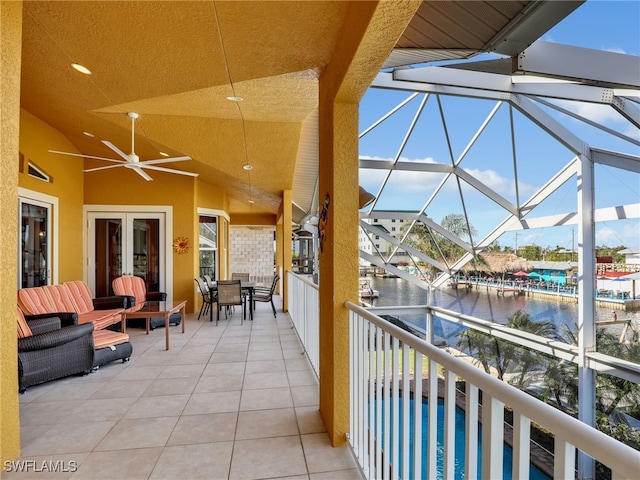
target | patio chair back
[{"x": 229, "y": 295}]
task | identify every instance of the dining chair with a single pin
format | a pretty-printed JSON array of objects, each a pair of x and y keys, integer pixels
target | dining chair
[
  {"x": 262, "y": 294},
  {"x": 243, "y": 277},
  {"x": 229, "y": 295},
  {"x": 207, "y": 298}
]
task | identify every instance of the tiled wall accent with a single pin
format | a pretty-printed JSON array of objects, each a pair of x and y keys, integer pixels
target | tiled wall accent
[{"x": 253, "y": 251}]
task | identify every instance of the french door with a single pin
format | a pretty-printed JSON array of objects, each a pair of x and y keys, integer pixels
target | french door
[{"x": 126, "y": 243}]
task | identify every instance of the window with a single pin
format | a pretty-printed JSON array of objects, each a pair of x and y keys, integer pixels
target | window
[
  {"x": 377, "y": 237},
  {"x": 208, "y": 245},
  {"x": 393, "y": 229},
  {"x": 393, "y": 220},
  {"x": 375, "y": 220}
]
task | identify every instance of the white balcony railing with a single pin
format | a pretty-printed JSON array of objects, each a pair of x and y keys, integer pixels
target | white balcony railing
[
  {"x": 388, "y": 368},
  {"x": 381, "y": 354},
  {"x": 304, "y": 311}
]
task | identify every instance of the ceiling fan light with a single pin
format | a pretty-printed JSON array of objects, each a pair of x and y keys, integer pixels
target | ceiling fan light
[
  {"x": 81, "y": 68},
  {"x": 251, "y": 202}
]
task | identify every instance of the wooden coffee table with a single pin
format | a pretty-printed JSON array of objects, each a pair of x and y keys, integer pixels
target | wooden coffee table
[{"x": 151, "y": 310}]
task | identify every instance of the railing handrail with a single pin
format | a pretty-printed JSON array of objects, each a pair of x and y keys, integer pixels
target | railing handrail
[
  {"x": 587, "y": 439},
  {"x": 598, "y": 361}
]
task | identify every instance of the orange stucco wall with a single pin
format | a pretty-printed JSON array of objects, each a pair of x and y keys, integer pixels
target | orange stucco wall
[{"x": 67, "y": 184}]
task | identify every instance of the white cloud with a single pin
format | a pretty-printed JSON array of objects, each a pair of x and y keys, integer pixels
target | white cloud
[
  {"x": 625, "y": 233},
  {"x": 592, "y": 111}
]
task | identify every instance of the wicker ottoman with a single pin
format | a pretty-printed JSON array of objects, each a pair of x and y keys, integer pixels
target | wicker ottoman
[{"x": 110, "y": 346}]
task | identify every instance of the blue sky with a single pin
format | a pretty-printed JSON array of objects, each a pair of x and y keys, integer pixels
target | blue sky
[{"x": 605, "y": 25}]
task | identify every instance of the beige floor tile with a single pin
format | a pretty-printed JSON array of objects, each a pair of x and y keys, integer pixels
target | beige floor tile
[
  {"x": 134, "y": 433},
  {"x": 31, "y": 433},
  {"x": 219, "y": 383},
  {"x": 138, "y": 372},
  {"x": 131, "y": 464},
  {"x": 182, "y": 371},
  {"x": 100, "y": 410},
  {"x": 231, "y": 347},
  {"x": 149, "y": 360},
  {"x": 158, "y": 406},
  {"x": 309, "y": 420},
  {"x": 260, "y": 355},
  {"x": 255, "y": 381},
  {"x": 322, "y": 457},
  {"x": 47, "y": 413},
  {"x": 216, "y": 402},
  {"x": 301, "y": 362},
  {"x": 305, "y": 396},
  {"x": 115, "y": 389},
  {"x": 217, "y": 369},
  {"x": 70, "y": 392},
  {"x": 171, "y": 386},
  {"x": 213, "y": 427},
  {"x": 69, "y": 438},
  {"x": 207, "y": 461},
  {"x": 264, "y": 344},
  {"x": 299, "y": 378},
  {"x": 351, "y": 474},
  {"x": 265, "y": 399},
  {"x": 228, "y": 357},
  {"x": 191, "y": 358},
  {"x": 266, "y": 423},
  {"x": 275, "y": 457},
  {"x": 266, "y": 366}
]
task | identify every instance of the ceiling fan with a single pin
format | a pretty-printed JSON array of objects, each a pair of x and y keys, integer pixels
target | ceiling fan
[{"x": 132, "y": 160}]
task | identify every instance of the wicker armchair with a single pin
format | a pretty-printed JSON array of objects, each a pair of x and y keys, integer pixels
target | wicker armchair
[{"x": 47, "y": 351}]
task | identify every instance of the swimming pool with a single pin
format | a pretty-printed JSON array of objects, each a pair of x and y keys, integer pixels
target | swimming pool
[{"x": 460, "y": 440}]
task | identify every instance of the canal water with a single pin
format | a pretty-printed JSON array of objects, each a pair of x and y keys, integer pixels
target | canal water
[{"x": 486, "y": 305}]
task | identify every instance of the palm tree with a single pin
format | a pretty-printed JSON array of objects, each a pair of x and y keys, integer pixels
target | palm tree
[
  {"x": 504, "y": 356},
  {"x": 528, "y": 360}
]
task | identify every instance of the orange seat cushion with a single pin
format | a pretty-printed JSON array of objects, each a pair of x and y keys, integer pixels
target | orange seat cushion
[
  {"x": 108, "y": 338},
  {"x": 23, "y": 327}
]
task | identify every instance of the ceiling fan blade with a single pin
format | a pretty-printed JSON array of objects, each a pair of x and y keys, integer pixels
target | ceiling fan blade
[
  {"x": 142, "y": 173},
  {"x": 164, "y": 160},
  {"x": 105, "y": 168},
  {"x": 87, "y": 156},
  {"x": 116, "y": 149},
  {"x": 171, "y": 170}
]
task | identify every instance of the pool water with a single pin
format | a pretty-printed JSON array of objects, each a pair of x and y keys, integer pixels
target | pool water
[{"x": 534, "y": 472}]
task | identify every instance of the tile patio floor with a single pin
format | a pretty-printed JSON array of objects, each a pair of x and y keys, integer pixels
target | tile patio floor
[{"x": 225, "y": 402}]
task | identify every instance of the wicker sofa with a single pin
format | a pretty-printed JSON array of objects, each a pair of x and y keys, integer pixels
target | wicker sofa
[
  {"x": 48, "y": 351},
  {"x": 72, "y": 297}
]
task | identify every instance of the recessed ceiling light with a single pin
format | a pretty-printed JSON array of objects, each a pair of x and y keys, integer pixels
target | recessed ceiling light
[
  {"x": 251, "y": 201},
  {"x": 235, "y": 99},
  {"x": 247, "y": 167},
  {"x": 81, "y": 68},
  {"x": 89, "y": 134},
  {"x": 164, "y": 154}
]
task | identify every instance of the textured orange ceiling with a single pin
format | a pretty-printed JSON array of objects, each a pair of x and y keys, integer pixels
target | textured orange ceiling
[{"x": 174, "y": 63}]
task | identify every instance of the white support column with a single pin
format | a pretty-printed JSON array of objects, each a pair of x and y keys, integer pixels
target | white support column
[{"x": 586, "y": 302}]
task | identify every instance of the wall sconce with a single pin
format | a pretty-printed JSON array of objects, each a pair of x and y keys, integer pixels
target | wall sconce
[{"x": 364, "y": 198}]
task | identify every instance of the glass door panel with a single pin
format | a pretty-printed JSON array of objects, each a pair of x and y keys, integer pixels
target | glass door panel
[
  {"x": 108, "y": 254},
  {"x": 146, "y": 258},
  {"x": 124, "y": 244},
  {"x": 35, "y": 249}
]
